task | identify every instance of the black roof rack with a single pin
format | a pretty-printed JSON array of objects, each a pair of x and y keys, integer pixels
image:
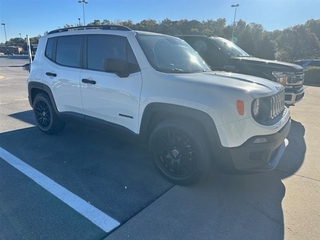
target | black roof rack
[{"x": 99, "y": 27}]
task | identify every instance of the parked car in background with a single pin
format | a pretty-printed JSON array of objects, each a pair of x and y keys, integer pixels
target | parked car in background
[
  {"x": 305, "y": 63},
  {"x": 222, "y": 54}
]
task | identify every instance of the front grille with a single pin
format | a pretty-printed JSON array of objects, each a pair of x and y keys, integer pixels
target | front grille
[
  {"x": 288, "y": 97},
  {"x": 277, "y": 104},
  {"x": 271, "y": 109},
  {"x": 299, "y": 97}
]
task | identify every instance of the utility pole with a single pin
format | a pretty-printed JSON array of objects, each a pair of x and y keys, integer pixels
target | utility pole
[
  {"x": 5, "y": 32},
  {"x": 234, "y": 18},
  {"x": 83, "y": 3}
]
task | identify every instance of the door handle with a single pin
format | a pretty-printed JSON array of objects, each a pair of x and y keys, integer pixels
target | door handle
[
  {"x": 51, "y": 74},
  {"x": 84, "y": 80}
]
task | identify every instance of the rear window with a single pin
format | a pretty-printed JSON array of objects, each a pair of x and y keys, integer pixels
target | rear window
[{"x": 50, "y": 48}]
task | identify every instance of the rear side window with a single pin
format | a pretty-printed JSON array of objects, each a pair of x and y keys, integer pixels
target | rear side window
[
  {"x": 103, "y": 47},
  {"x": 68, "y": 51},
  {"x": 50, "y": 48}
]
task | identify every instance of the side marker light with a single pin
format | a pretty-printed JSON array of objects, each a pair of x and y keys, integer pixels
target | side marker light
[{"x": 240, "y": 107}]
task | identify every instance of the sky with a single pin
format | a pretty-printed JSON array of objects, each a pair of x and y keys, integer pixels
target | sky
[{"x": 35, "y": 17}]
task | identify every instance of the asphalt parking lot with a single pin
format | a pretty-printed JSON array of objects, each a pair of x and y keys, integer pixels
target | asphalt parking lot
[{"x": 123, "y": 195}]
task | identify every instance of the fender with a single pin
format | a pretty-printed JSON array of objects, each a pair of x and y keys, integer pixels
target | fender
[
  {"x": 35, "y": 87},
  {"x": 156, "y": 112}
]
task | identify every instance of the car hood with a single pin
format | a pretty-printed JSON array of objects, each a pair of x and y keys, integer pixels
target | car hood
[
  {"x": 254, "y": 86},
  {"x": 274, "y": 64}
]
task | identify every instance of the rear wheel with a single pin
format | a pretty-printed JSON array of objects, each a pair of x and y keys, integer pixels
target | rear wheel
[
  {"x": 179, "y": 152},
  {"x": 45, "y": 116}
]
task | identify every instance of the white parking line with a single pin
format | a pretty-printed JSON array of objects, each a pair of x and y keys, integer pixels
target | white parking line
[{"x": 99, "y": 218}]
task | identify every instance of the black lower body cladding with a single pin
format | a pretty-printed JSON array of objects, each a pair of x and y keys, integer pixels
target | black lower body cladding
[{"x": 253, "y": 157}]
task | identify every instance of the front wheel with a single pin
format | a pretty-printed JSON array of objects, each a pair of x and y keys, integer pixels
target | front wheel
[
  {"x": 179, "y": 151},
  {"x": 45, "y": 116}
]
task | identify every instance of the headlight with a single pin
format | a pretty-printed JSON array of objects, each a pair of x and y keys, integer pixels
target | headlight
[
  {"x": 281, "y": 77},
  {"x": 255, "y": 107}
]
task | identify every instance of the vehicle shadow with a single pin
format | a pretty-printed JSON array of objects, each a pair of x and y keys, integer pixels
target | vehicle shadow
[
  {"x": 294, "y": 155},
  {"x": 26, "y": 116},
  {"x": 218, "y": 207},
  {"x": 26, "y": 67},
  {"x": 114, "y": 175},
  {"x": 246, "y": 206}
]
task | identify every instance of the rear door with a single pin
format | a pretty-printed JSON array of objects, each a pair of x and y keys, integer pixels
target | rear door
[{"x": 62, "y": 72}]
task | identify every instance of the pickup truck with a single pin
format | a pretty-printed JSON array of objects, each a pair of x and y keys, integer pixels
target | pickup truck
[{"x": 222, "y": 54}]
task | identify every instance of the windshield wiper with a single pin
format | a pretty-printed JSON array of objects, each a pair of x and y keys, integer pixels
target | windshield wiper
[
  {"x": 244, "y": 55},
  {"x": 201, "y": 70},
  {"x": 172, "y": 70},
  {"x": 177, "y": 70}
]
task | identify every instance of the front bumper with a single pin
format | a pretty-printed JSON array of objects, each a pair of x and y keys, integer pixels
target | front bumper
[
  {"x": 255, "y": 157},
  {"x": 293, "y": 94}
]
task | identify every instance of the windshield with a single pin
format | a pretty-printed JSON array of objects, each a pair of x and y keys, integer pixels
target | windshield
[
  {"x": 229, "y": 47},
  {"x": 171, "y": 55}
]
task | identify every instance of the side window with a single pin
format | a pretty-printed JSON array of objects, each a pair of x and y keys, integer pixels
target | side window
[
  {"x": 102, "y": 47},
  {"x": 201, "y": 47},
  {"x": 68, "y": 51},
  {"x": 50, "y": 48},
  {"x": 216, "y": 57}
]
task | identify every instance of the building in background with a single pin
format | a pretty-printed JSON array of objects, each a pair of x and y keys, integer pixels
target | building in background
[{"x": 10, "y": 49}]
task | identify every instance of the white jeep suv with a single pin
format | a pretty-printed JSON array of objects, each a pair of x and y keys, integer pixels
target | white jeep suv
[{"x": 157, "y": 89}]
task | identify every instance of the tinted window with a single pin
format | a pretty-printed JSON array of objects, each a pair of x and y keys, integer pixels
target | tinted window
[
  {"x": 102, "y": 47},
  {"x": 201, "y": 47},
  {"x": 68, "y": 51},
  {"x": 229, "y": 47},
  {"x": 50, "y": 48}
]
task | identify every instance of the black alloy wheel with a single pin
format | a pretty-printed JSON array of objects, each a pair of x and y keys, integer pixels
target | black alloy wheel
[
  {"x": 45, "y": 116},
  {"x": 179, "y": 152}
]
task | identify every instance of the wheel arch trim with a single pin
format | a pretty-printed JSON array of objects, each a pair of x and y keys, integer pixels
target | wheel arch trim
[
  {"x": 156, "y": 112},
  {"x": 34, "y": 87}
]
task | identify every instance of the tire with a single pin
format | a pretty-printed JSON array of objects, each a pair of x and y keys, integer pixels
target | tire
[
  {"x": 45, "y": 116},
  {"x": 179, "y": 151}
]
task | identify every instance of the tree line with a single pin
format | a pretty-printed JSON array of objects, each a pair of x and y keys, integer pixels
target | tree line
[{"x": 297, "y": 42}]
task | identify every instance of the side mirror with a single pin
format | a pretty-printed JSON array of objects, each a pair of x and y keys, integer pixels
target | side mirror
[{"x": 117, "y": 66}]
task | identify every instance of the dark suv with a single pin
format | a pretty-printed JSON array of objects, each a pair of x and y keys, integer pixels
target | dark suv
[{"x": 221, "y": 54}]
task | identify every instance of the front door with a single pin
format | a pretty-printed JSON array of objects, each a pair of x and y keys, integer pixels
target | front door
[{"x": 107, "y": 96}]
